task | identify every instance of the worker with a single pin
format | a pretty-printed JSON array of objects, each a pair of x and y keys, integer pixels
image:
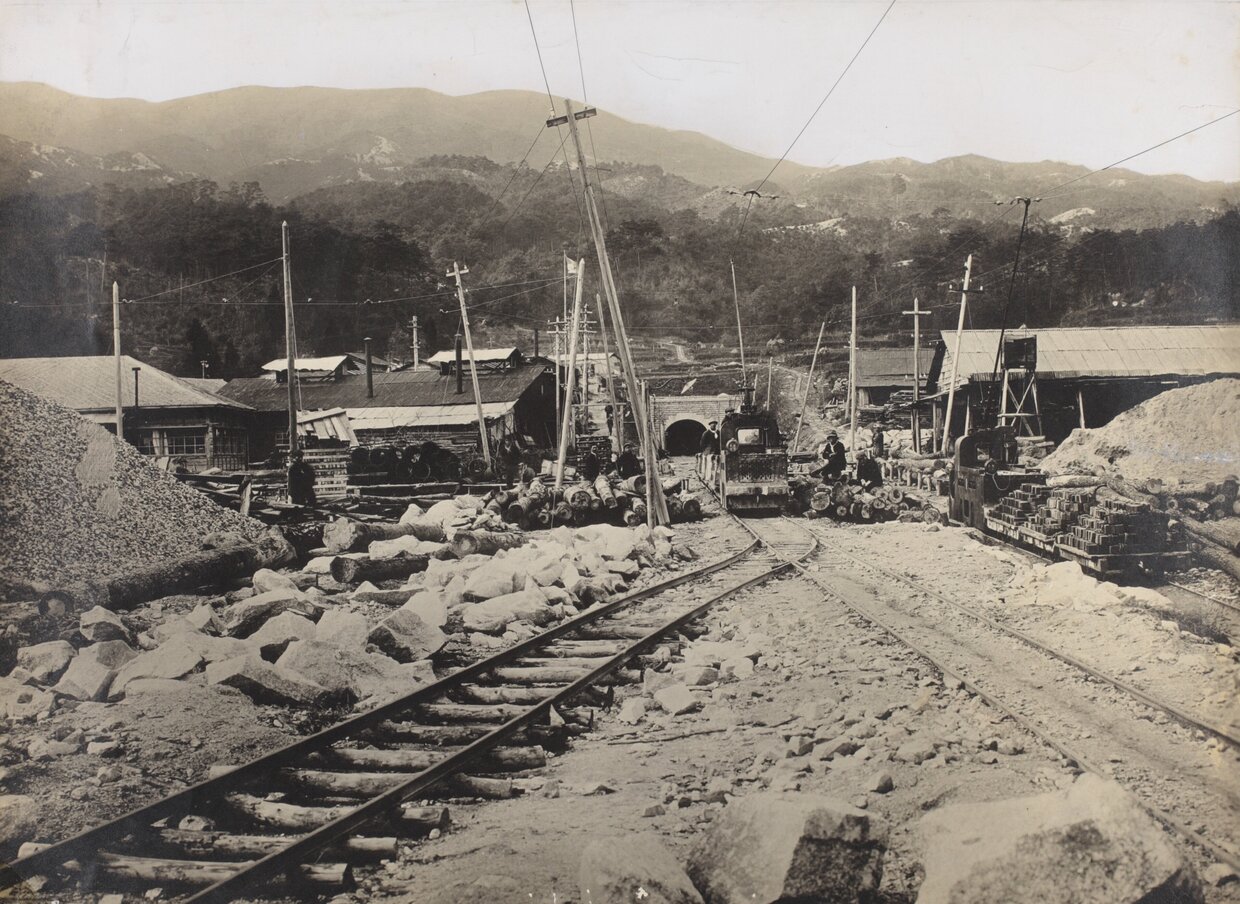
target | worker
[
  {"x": 508, "y": 458},
  {"x": 588, "y": 465},
  {"x": 301, "y": 481},
  {"x": 628, "y": 464},
  {"x": 833, "y": 457},
  {"x": 710, "y": 439},
  {"x": 878, "y": 441},
  {"x": 869, "y": 473}
]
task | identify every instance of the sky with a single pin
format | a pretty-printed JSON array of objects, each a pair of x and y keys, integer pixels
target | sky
[{"x": 1080, "y": 81}]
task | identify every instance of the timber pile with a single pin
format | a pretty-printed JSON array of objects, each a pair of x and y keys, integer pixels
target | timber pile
[
  {"x": 608, "y": 500},
  {"x": 927, "y": 471},
  {"x": 841, "y": 501},
  {"x": 77, "y": 505}
]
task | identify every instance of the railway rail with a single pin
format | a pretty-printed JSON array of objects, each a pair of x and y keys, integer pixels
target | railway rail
[
  {"x": 1043, "y": 689},
  {"x": 449, "y": 738}
]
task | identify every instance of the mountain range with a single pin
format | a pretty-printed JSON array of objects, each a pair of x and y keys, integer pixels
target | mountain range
[{"x": 294, "y": 141}]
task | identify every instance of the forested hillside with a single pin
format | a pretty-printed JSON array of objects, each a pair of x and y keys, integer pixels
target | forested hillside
[{"x": 366, "y": 256}]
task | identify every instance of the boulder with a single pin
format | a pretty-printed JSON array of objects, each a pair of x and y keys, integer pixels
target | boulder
[
  {"x": 277, "y": 633},
  {"x": 203, "y": 619},
  {"x": 212, "y": 649},
  {"x": 265, "y": 580},
  {"x": 429, "y": 605},
  {"x": 497, "y": 578},
  {"x": 492, "y": 616},
  {"x": 627, "y": 868},
  {"x": 22, "y": 703},
  {"x": 19, "y": 818},
  {"x": 352, "y": 673},
  {"x": 632, "y": 710},
  {"x": 769, "y": 847},
  {"x": 405, "y": 637},
  {"x": 46, "y": 661},
  {"x": 408, "y": 545},
  {"x": 245, "y": 617},
  {"x": 319, "y": 565},
  {"x": 173, "y": 659},
  {"x": 369, "y": 593},
  {"x": 1090, "y": 842},
  {"x": 102, "y": 624},
  {"x": 344, "y": 628},
  {"x": 86, "y": 678},
  {"x": 110, "y": 653},
  {"x": 264, "y": 683},
  {"x": 676, "y": 699}
]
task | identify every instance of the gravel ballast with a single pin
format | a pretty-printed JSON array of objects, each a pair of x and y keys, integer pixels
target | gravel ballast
[{"x": 76, "y": 503}]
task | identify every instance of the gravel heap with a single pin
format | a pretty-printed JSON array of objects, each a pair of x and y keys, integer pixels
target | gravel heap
[
  {"x": 75, "y": 503},
  {"x": 1189, "y": 435}
]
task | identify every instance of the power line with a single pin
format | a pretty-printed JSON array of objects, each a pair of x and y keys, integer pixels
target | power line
[
  {"x": 203, "y": 282},
  {"x": 585, "y": 98},
  {"x": 1139, "y": 153},
  {"x": 821, "y": 103}
]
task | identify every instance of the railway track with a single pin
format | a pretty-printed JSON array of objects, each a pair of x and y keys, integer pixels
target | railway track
[
  {"x": 307, "y": 813},
  {"x": 1092, "y": 723}
]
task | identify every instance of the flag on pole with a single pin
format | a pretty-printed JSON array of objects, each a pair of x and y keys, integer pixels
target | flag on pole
[{"x": 570, "y": 266}]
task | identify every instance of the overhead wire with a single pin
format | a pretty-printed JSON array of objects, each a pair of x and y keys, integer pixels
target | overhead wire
[{"x": 585, "y": 98}]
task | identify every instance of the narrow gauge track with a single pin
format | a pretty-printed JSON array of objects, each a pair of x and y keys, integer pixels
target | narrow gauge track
[
  {"x": 1160, "y": 766},
  {"x": 444, "y": 739},
  {"x": 1231, "y": 607}
]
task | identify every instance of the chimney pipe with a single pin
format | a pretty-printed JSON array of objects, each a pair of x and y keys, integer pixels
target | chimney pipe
[
  {"x": 460, "y": 375},
  {"x": 535, "y": 342},
  {"x": 370, "y": 372},
  {"x": 136, "y": 371}
]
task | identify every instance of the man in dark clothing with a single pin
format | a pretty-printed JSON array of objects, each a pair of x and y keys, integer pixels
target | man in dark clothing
[
  {"x": 301, "y": 481},
  {"x": 869, "y": 473},
  {"x": 880, "y": 441},
  {"x": 833, "y": 457},
  {"x": 628, "y": 464},
  {"x": 710, "y": 439},
  {"x": 589, "y": 466},
  {"x": 508, "y": 458}
]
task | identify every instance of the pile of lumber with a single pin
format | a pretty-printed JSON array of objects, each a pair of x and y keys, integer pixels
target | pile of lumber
[
  {"x": 608, "y": 500},
  {"x": 842, "y": 501},
  {"x": 927, "y": 471}
]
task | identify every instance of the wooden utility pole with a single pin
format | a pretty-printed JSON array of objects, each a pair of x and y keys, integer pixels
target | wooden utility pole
[
  {"x": 116, "y": 353},
  {"x": 290, "y": 344},
  {"x": 808, "y": 383},
  {"x": 917, "y": 313},
  {"x": 565, "y": 424},
  {"x": 852, "y": 375},
  {"x": 656, "y": 502},
  {"x": 616, "y": 431},
  {"x": 457, "y": 272},
  {"x": 770, "y": 366},
  {"x": 945, "y": 448},
  {"x": 740, "y": 335},
  {"x": 413, "y": 332}
]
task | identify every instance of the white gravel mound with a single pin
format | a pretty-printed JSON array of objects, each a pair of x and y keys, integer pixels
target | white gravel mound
[
  {"x": 1188, "y": 435},
  {"x": 75, "y": 503}
]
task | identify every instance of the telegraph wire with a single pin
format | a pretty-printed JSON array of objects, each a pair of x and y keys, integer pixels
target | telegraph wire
[{"x": 585, "y": 98}]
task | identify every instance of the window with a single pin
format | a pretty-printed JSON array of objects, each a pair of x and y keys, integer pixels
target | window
[
  {"x": 192, "y": 441},
  {"x": 229, "y": 442},
  {"x": 145, "y": 441},
  {"x": 749, "y": 436}
]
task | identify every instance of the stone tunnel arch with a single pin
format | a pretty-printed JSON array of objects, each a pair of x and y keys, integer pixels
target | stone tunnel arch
[{"x": 683, "y": 434}]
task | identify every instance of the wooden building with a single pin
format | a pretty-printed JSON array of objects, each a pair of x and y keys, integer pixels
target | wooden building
[
  {"x": 884, "y": 371},
  {"x": 165, "y": 416}
]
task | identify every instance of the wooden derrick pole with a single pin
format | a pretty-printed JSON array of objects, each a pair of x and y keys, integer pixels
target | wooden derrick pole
[
  {"x": 945, "y": 448},
  {"x": 457, "y": 272},
  {"x": 567, "y": 415},
  {"x": 804, "y": 398},
  {"x": 616, "y": 432}
]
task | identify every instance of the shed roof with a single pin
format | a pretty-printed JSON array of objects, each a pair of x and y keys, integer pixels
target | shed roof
[
  {"x": 1121, "y": 351},
  {"x": 890, "y": 366},
  {"x": 89, "y": 384},
  {"x": 481, "y": 355},
  {"x": 402, "y": 389},
  {"x": 427, "y": 416},
  {"x": 325, "y": 364}
]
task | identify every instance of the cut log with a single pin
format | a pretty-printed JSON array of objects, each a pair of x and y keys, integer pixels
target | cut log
[
  {"x": 355, "y": 570},
  {"x": 343, "y": 535},
  {"x": 463, "y": 712},
  {"x": 578, "y": 497},
  {"x": 1214, "y": 556},
  {"x": 1225, "y": 534},
  {"x": 484, "y": 542},
  {"x": 498, "y": 759},
  {"x": 635, "y": 484},
  {"x": 287, "y": 817},
  {"x": 602, "y": 486},
  {"x": 523, "y": 696},
  {"x": 158, "y": 871},
  {"x": 212, "y": 844},
  {"x": 209, "y": 568}
]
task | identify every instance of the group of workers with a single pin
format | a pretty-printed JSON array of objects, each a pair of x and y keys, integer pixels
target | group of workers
[
  {"x": 869, "y": 473},
  {"x": 624, "y": 465}
]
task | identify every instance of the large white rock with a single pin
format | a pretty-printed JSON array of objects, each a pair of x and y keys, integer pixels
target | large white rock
[
  {"x": 494, "y": 615},
  {"x": 344, "y": 628},
  {"x": 86, "y": 678},
  {"x": 46, "y": 661},
  {"x": 1091, "y": 842},
  {"x": 768, "y": 847},
  {"x": 406, "y": 638},
  {"x": 623, "y": 869},
  {"x": 265, "y": 580},
  {"x": 102, "y": 624},
  {"x": 19, "y": 819},
  {"x": 278, "y": 632},
  {"x": 243, "y": 618},
  {"x": 173, "y": 659},
  {"x": 264, "y": 683},
  {"x": 499, "y": 578},
  {"x": 352, "y": 673},
  {"x": 409, "y": 545},
  {"x": 429, "y": 605}
]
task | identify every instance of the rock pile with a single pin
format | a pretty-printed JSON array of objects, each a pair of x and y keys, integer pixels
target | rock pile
[{"x": 76, "y": 504}]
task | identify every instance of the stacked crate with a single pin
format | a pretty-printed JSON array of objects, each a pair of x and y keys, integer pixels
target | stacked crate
[
  {"x": 1118, "y": 527},
  {"x": 1018, "y": 507},
  {"x": 1061, "y": 511}
]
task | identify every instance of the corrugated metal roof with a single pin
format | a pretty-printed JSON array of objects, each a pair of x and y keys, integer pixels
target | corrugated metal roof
[
  {"x": 210, "y": 384},
  {"x": 480, "y": 354},
  {"x": 430, "y": 416},
  {"x": 402, "y": 389},
  {"x": 1124, "y": 351},
  {"x": 330, "y": 424},
  {"x": 89, "y": 384},
  {"x": 890, "y": 366},
  {"x": 325, "y": 364}
]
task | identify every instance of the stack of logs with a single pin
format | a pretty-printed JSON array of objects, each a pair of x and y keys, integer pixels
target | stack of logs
[
  {"x": 608, "y": 499},
  {"x": 848, "y": 502}
]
